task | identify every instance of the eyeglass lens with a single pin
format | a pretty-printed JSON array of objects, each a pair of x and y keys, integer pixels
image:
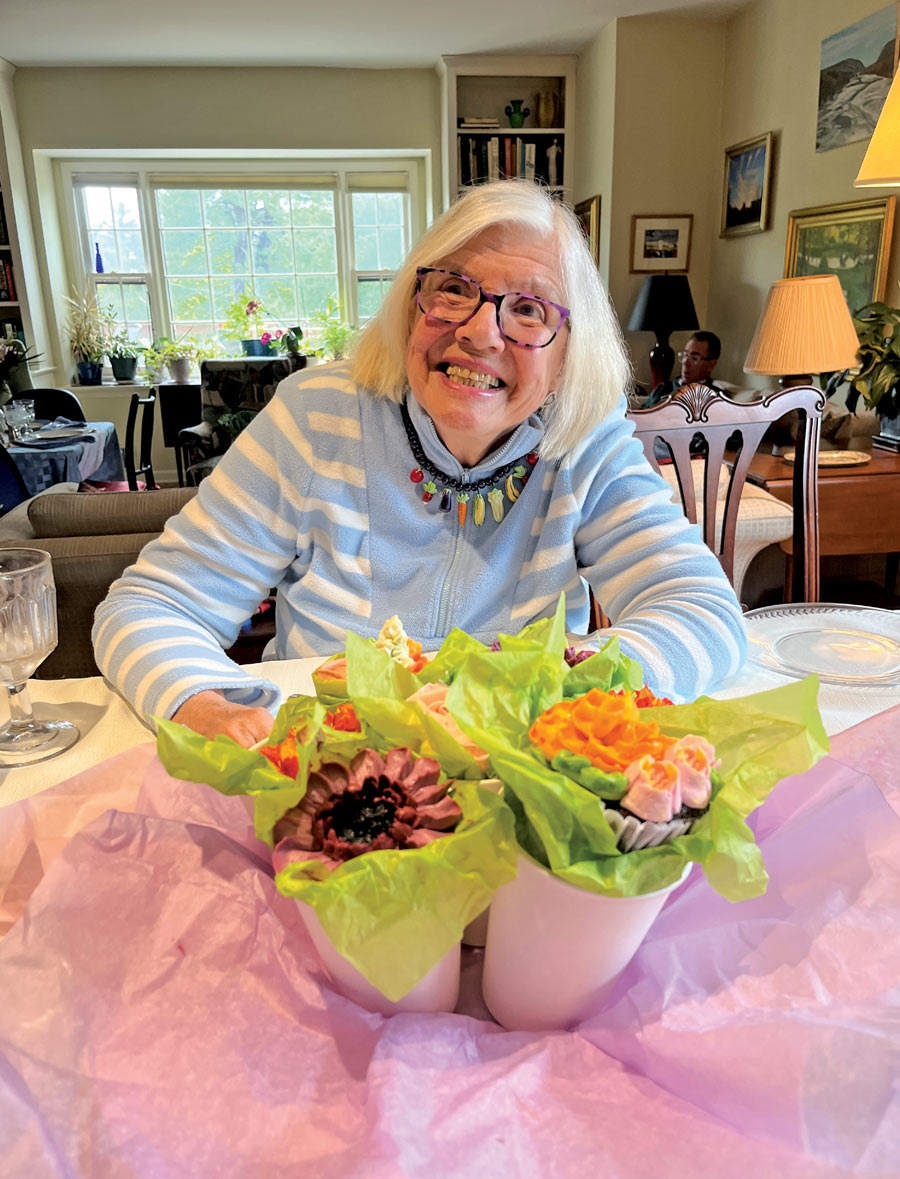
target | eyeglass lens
[{"x": 524, "y": 319}]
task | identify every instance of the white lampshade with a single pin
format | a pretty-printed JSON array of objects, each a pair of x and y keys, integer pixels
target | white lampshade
[
  {"x": 881, "y": 163},
  {"x": 805, "y": 327}
]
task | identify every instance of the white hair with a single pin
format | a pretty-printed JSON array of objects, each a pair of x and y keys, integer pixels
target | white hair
[{"x": 596, "y": 371}]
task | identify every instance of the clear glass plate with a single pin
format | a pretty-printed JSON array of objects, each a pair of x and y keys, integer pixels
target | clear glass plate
[{"x": 852, "y": 645}]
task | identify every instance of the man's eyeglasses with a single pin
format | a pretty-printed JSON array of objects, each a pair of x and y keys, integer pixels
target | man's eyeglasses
[
  {"x": 692, "y": 356},
  {"x": 526, "y": 320}
]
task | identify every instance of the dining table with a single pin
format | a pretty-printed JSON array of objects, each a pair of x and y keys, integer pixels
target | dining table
[
  {"x": 62, "y": 451},
  {"x": 165, "y": 1013}
]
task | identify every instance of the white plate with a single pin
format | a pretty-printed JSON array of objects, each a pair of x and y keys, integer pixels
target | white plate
[
  {"x": 851, "y": 645},
  {"x": 62, "y": 432}
]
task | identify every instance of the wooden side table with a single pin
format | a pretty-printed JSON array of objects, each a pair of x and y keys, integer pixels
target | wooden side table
[{"x": 859, "y": 507}]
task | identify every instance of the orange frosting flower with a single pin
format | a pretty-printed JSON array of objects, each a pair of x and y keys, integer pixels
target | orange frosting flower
[
  {"x": 604, "y": 727},
  {"x": 284, "y": 755},
  {"x": 344, "y": 719}
]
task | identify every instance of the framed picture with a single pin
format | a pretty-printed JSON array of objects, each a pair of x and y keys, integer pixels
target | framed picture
[
  {"x": 855, "y": 70},
  {"x": 852, "y": 241},
  {"x": 588, "y": 213},
  {"x": 661, "y": 242},
  {"x": 745, "y": 196}
]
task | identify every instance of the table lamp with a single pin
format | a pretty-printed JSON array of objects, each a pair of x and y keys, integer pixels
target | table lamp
[
  {"x": 805, "y": 328},
  {"x": 881, "y": 163},
  {"x": 664, "y": 305}
]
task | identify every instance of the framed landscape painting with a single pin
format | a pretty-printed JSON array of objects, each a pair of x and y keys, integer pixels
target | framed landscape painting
[
  {"x": 661, "y": 242},
  {"x": 852, "y": 241},
  {"x": 588, "y": 213},
  {"x": 748, "y": 177},
  {"x": 855, "y": 70}
]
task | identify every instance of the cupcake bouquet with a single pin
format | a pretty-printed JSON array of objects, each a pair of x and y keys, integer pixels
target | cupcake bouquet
[{"x": 370, "y": 794}]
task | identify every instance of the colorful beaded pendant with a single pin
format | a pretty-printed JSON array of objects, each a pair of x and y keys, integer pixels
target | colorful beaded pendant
[{"x": 506, "y": 476}]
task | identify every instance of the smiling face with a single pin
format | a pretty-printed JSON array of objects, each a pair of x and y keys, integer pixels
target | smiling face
[{"x": 473, "y": 383}]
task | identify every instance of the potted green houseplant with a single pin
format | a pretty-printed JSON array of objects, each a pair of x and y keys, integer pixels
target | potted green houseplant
[
  {"x": 877, "y": 379},
  {"x": 123, "y": 356},
  {"x": 246, "y": 322},
  {"x": 15, "y": 376},
  {"x": 89, "y": 329},
  {"x": 333, "y": 334}
]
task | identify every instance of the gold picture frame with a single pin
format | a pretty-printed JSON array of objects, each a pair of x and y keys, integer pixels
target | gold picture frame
[
  {"x": 851, "y": 240},
  {"x": 588, "y": 214},
  {"x": 746, "y": 187},
  {"x": 661, "y": 243}
]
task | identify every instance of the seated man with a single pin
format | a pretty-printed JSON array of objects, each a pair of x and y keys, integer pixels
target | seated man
[{"x": 697, "y": 363}]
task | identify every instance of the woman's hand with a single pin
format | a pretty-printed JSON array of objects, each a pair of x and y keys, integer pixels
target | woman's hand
[{"x": 210, "y": 714}]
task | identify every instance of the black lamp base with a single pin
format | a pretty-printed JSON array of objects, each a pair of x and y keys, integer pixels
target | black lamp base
[{"x": 662, "y": 361}]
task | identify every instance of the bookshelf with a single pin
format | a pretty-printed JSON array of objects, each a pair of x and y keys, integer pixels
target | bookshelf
[
  {"x": 10, "y": 306},
  {"x": 478, "y": 142}
]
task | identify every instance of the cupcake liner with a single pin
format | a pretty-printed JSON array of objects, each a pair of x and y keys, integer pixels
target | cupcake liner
[{"x": 633, "y": 833}]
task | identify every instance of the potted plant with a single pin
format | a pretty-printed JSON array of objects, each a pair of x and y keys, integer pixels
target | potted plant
[
  {"x": 246, "y": 322},
  {"x": 15, "y": 376},
  {"x": 89, "y": 329},
  {"x": 123, "y": 356},
  {"x": 333, "y": 333},
  {"x": 877, "y": 379}
]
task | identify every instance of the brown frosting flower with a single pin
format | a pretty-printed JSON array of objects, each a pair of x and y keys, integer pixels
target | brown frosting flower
[{"x": 374, "y": 803}]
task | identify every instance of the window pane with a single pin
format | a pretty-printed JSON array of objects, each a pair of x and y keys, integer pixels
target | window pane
[
  {"x": 269, "y": 208},
  {"x": 229, "y": 251},
  {"x": 126, "y": 209},
  {"x": 390, "y": 248},
  {"x": 98, "y": 207},
  {"x": 136, "y": 302},
  {"x": 369, "y": 295},
  {"x": 272, "y": 251},
  {"x": 184, "y": 251},
  {"x": 105, "y": 242},
  {"x": 109, "y": 296},
  {"x": 130, "y": 303},
  {"x": 279, "y": 299},
  {"x": 224, "y": 207},
  {"x": 315, "y": 251},
  {"x": 366, "y": 241},
  {"x": 131, "y": 252},
  {"x": 226, "y": 291},
  {"x": 189, "y": 300},
  {"x": 312, "y": 208},
  {"x": 390, "y": 208},
  {"x": 365, "y": 208},
  {"x": 178, "y": 207},
  {"x": 315, "y": 293}
]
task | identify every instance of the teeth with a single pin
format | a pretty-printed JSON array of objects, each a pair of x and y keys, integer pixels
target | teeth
[{"x": 466, "y": 377}]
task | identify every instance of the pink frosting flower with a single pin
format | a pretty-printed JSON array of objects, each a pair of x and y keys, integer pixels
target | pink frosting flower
[
  {"x": 375, "y": 803},
  {"x": 654, "y": 791},
  {"x": 694, "y": 758},
  {"x": 332, "y": 669},
  {"x": 432, "y": 700}
]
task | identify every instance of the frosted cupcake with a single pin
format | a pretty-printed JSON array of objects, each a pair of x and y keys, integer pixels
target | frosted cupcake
[{"x": 652, "y": 787}]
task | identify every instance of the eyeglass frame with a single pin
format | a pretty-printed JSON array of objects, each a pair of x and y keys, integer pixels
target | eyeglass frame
[
  {"x": 696, "y": 355},
  {"x": 486, "y": 297}
]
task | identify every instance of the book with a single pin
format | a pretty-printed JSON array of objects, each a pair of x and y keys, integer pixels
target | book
[
  {"x": 493, "y": 158},
  {"x": 10, "y": 282},
  {"x": 4, "y": 231},
  {"x": 520, "y": 158},
  {"x": 4, "y": 290},
  {"x": 529, "y": 161}
]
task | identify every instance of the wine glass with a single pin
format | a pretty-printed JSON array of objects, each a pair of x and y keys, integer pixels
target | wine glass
[{"x": 27, "y": 636}]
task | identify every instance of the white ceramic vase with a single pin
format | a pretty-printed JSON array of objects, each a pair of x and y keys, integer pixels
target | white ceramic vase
[
  {"x": 554, "y": 952},
  {"x": 437, "y": 991}
]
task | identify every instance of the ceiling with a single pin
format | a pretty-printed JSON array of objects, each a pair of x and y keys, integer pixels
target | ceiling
[{"x": 359, "y": 33}]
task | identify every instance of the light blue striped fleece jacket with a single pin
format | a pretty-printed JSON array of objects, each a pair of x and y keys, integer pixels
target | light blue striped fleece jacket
[{"x": 315, "y": 498}]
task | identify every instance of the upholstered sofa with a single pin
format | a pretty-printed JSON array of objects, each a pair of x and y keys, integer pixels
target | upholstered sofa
[{"x": 91, "y": 539}]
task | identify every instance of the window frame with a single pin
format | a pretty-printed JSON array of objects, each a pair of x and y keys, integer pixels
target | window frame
[{"x": 333, "y": 171}]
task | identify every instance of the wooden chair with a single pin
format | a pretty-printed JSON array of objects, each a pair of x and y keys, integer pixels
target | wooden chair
[
  {"x": 145, "y": 464},
  {"x": 50, "y": 404},
  {"x": 697, "y": 410}
]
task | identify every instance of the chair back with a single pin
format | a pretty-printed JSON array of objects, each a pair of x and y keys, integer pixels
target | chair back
[
  {"x": 50, "y": 404},
  {"x": 696, "y": 410},
  {"x": 144, "y": 465},
  {"x": 12, "y": 486}
]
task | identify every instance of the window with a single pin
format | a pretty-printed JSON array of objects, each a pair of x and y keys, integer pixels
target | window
[{"x": 172, "y": 257}]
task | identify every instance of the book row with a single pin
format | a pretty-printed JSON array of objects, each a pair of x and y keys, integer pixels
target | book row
[{"x": 508, "y": 157}]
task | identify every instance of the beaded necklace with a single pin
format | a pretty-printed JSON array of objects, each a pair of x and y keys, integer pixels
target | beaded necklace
[{"x": 507, "y": 475}]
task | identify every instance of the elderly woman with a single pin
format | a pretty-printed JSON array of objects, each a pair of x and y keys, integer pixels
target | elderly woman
[{"x": 471, "y": 464}]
